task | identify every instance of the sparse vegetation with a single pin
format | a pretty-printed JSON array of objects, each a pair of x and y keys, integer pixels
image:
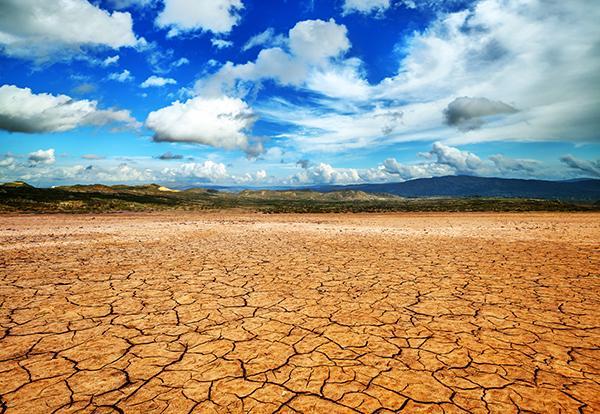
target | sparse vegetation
[{"x": 21, "y": 197}]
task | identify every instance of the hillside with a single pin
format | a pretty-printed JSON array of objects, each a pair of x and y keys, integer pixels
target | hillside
[
  {"x": 153, "y": 197},
  {"x": 470, "y": 186}
]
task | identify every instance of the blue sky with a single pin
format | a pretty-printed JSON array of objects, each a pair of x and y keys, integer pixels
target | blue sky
[{"x": 261, "y": 93}]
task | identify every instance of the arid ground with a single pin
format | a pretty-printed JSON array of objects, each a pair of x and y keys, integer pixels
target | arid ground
[{"x": 238, "y": 312}]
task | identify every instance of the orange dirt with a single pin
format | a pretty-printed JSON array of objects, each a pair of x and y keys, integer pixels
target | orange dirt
[{"x": 176, "y": 313}]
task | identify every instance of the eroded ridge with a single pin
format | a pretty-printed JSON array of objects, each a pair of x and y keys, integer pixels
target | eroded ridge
[{"x": 234, "y": 313}]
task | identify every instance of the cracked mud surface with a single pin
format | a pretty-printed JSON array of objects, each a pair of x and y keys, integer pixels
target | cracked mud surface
[{"x": 176, "y": 313}]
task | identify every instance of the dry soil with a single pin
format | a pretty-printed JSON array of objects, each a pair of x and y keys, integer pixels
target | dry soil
[{"x": 176, "y": 313}]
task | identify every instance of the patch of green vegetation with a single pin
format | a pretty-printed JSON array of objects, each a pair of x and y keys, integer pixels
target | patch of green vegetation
[{"x": 22, "y": 197}]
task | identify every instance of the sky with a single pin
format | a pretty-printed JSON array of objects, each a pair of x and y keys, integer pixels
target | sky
[{"x": 294, "y": 93}]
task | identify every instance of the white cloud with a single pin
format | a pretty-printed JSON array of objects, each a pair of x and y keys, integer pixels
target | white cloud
[
  {"x": 157, "y": 82},
  {"x": 111, "y": 60},
  {"x": 323, "y": 173},
  {"x": 217, "y": 16},
  {"x": 412, "y": 171},
  {"x": 446, "y": 160},
  {"x": 23, "y": 111},
  {"x": 180, "y": 62},
  {"x": 47, "y": 30},
  {"x": 217, "y": 122},
  {"x": 313, "y": 46},
  {"x": 513, "y": 58},
  {"x": 121, "y": 76},
  {"x": 365, "y": 6},
  {"x": 325, "y": 130},
  {"x": 463, "y": 162},
  {"x": 267, "y": 38},
  {"x": 340, "y": 81},
  {"x": 517, "y": 52},
  {"x": 221, "y": 43},
  {"x": 316, "y": 40},
  {"x": 42, "y": 157},
  {"x": 206, "y": 171},
  {"x": 7, "y": 162}
]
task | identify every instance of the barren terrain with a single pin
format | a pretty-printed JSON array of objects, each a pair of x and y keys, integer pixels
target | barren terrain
[{"x": 237, "y": 312}]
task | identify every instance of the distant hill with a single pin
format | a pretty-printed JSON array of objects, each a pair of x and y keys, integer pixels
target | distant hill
[
  {"x": 441, "y": 194},
  {"x": 470, "y": 186},
  {"x": 17, "y": 184}
]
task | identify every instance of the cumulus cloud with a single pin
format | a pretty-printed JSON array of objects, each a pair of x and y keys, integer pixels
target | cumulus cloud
[
  {"x": 365, "y": 6},
  {"x": 313, "y": 44},
  {"x": 463, "y": 162},
  {"x": 41, "y": 169},
  {"x": 412, "y": 171},
  {"x": 23, "y": 111},
  {"x": 42, "y": 157},
  {"x": 267, "y": 38},
  {"x": 167, "y": 156},
  {"x": 468, "y": 114},
  {"x": 315, "y": 40},
  {"x": 121, "y": 76},
  {"x": 216, "y": 16},
  {"x": 588, "y": 167},
  {"x": 157, "y": 82},
  {"x": 323, "y": 173},
  {"x": 447, "y": 160},
  {"x": 217, "y": 122},
  {"x": 207, "y": 171},
  {"x": 46, "y": 30}
]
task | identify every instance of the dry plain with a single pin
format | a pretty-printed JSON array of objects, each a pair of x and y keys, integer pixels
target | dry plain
[{"x": 239, "y": 312}]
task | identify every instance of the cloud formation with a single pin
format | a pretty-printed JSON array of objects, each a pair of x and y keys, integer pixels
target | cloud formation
[
  {"x": 42, "y": 157},
  {"x": 46, "y": 30},
  {"x": 472, "y": 53},
  {"x": 591, "y": 168},
  {"x": 365, "y": 6},
  {"x": 221, "y": 43},
  {"x": 157, "y": 82},
  {"x": 267, "y": 38},
  {"x": 468, "y": 114},
  {"x": 447, "y": 160},
  {"x": 312, "y": 45},
  {"x": 24, "y": 111},
  {"x": 121, "y": 76},
  {"x": 111, "y": 60},
  {"x": 217, "y": 122},
  {"x": 167, "y": 156},
  {"x": 216, "y": 16}
]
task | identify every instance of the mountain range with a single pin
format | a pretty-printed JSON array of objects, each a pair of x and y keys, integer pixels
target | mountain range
[{"x": 471, "y": 186}]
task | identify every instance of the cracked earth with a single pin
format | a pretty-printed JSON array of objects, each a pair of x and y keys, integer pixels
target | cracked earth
[{"x": 177, "y": 313}]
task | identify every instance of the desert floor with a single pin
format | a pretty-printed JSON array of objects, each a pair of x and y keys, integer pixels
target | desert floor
[{"x": 236, "y": 312}]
